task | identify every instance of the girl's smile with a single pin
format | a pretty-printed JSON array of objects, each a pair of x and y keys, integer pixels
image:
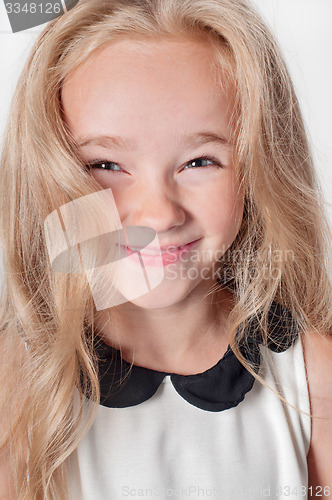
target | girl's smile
[{"x": 164, "y": 255}]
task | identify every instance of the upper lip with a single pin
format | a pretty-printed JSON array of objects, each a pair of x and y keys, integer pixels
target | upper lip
[{"x": 162, "y": 248}]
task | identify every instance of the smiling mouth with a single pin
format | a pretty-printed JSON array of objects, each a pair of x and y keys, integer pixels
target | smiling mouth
[
  {"x": 158, "y": 256},
  {"x": 156, "y": 251}
]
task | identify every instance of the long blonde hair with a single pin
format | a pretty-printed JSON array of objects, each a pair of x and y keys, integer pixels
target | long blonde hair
[{"x": 47, "y": 357}]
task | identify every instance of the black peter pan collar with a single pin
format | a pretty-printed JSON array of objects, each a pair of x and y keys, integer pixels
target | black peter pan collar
[{"x": 219, "y": 388}]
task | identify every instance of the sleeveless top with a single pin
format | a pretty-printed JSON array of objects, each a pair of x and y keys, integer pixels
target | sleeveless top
[{"x": 220, "y": 434}]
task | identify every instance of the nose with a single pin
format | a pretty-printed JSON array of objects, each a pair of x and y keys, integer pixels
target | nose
[{"x": 157, "y": 207}]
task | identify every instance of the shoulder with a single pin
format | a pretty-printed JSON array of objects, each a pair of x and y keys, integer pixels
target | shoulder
[
  {"x": 318, "y": 360},
  {"x": 7, "y": 490}
]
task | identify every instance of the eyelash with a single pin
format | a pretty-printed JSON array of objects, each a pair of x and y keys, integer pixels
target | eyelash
[{"x": 212, "y": 159}]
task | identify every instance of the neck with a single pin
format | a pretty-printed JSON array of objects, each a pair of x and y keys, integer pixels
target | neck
[{"x": 186, "y": 338}]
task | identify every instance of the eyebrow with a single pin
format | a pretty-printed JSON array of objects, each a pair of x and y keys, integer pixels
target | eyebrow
[{"x": 196, "y": 139}]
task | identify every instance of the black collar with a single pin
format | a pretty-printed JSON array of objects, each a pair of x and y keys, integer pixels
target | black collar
[{"x": 219, "y": 388}]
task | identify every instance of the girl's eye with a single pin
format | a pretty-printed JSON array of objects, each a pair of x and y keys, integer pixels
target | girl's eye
[
  {"x": 105, "y": 165},
  {"x": 203, "y": 161}
]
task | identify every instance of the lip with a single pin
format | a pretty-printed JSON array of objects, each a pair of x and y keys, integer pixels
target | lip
[
  {"x": 169, "y": 254},
  {"x": 163, "y": 249}
]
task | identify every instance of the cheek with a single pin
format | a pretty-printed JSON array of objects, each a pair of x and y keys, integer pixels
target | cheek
[
  {"x": 224, "y": 209},
  {"x": 115, "y": 182}
]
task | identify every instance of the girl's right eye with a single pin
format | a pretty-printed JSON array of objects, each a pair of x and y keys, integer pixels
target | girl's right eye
[{"x": 105, "y": 165}]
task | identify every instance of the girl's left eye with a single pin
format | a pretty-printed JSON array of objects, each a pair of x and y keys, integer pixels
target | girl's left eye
[{"x": 203, "y": 161}]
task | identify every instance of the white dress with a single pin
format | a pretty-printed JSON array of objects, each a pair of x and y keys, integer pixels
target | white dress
[{"x": 220, "y": 434}]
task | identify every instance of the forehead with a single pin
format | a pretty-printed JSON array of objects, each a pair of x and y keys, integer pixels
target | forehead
[{"x": 169, "y": 81}]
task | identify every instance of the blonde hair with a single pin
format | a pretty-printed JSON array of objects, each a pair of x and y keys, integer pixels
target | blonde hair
[{"x": 41, "y": 170}]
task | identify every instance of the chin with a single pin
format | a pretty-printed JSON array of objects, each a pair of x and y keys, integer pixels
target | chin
[{"x": 162, "y": 297}]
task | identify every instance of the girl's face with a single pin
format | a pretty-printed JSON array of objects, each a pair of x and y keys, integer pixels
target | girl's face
[{"x": 154, "y": 121}]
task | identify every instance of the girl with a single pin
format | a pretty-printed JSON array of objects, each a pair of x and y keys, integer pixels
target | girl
[{"x": 168, "y": 133}]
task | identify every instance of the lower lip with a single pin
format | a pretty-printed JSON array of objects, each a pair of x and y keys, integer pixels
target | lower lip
[{"x": 167, "y": 258}]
